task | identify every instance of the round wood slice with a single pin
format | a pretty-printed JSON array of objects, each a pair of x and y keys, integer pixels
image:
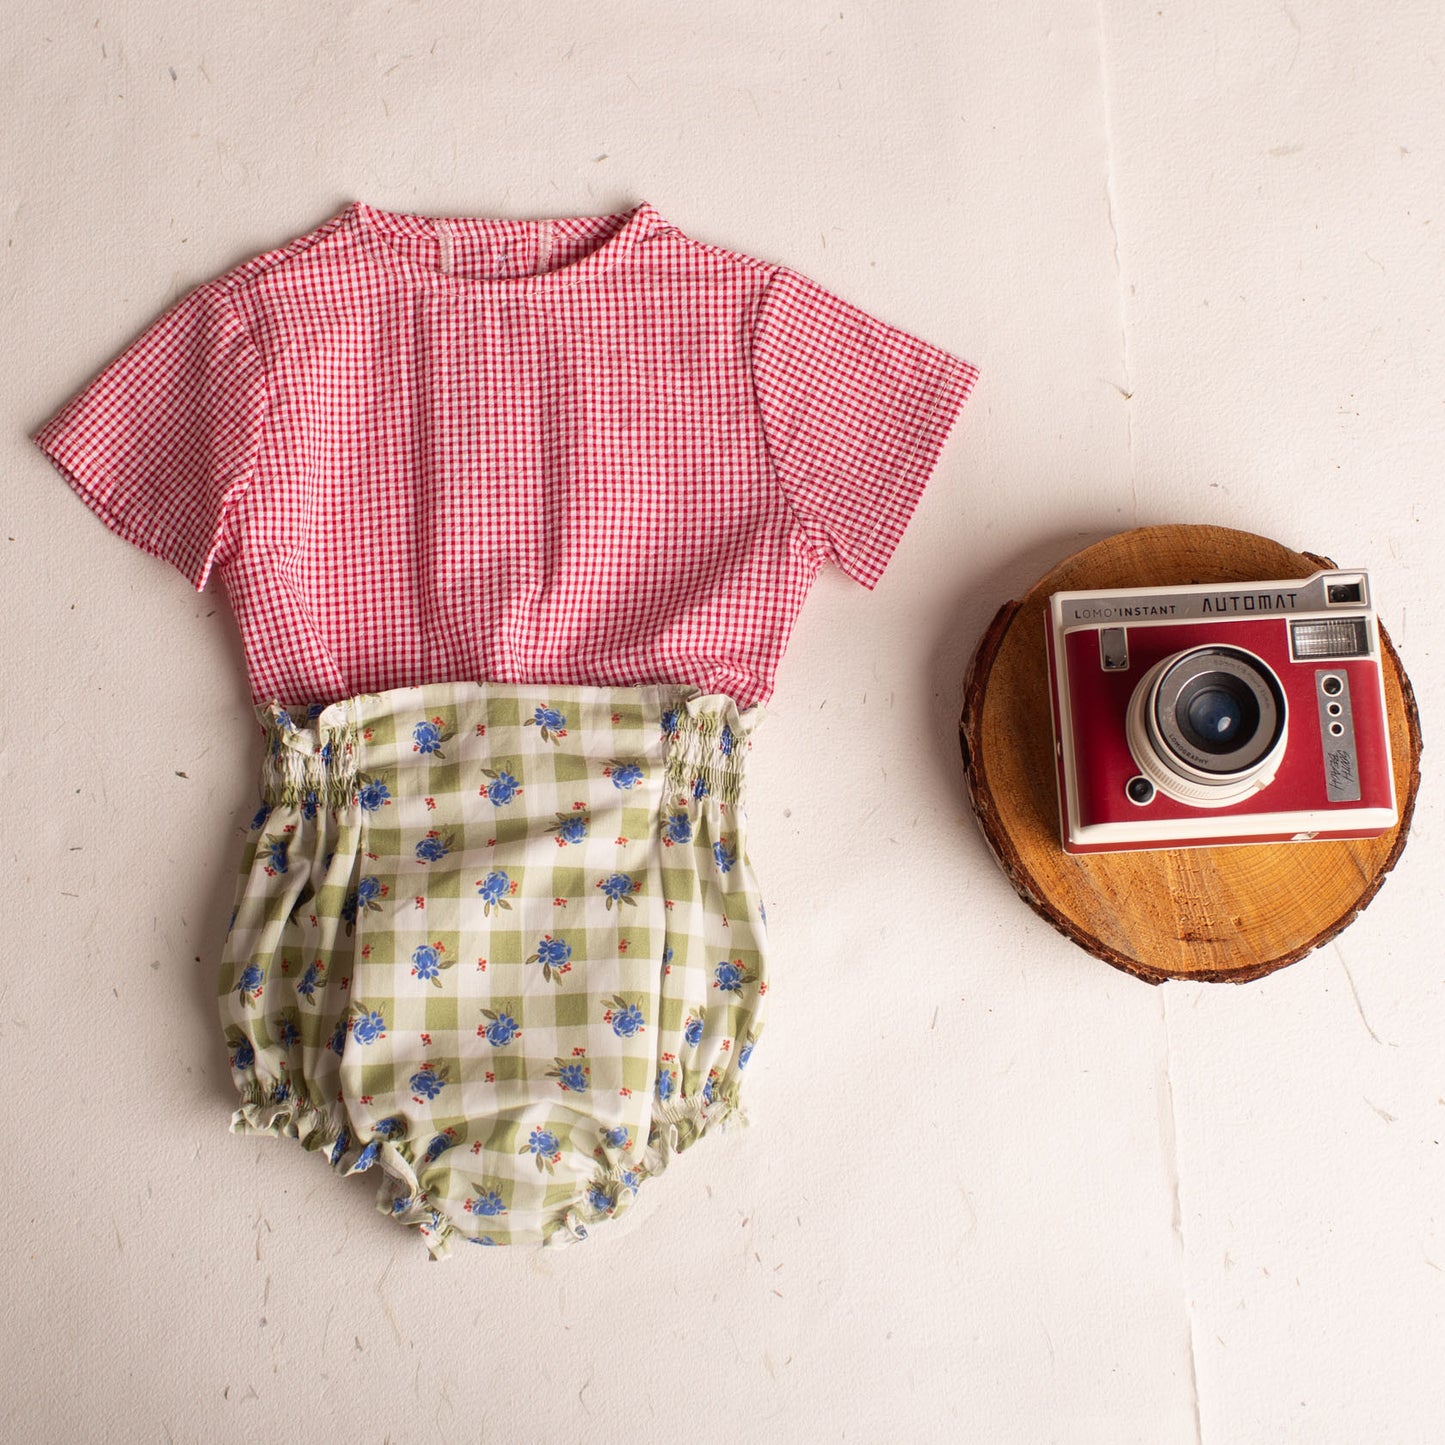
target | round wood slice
[{"x": 1232, "y": 913}]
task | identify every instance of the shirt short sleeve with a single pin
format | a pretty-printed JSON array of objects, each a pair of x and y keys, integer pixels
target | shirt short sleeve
[
  {"x": 855, "y": 413},
  {"x": 162, "y": 443}
]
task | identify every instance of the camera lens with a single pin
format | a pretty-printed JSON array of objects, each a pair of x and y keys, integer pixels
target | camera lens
[
  {"x": 1207, "y": 726},
  {"x": 1217, "y": 713}
]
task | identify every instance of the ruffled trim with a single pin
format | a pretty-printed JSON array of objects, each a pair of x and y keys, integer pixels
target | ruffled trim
[
  {"x": 277, "y": 1110},
  {"x": 679, "y": 1123}
]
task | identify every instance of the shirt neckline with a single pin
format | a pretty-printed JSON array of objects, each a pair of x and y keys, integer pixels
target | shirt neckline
[{"x": 371, "y": 225}]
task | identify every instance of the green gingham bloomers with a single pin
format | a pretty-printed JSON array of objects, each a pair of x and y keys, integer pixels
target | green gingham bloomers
[{"x": 501, "y": 942}]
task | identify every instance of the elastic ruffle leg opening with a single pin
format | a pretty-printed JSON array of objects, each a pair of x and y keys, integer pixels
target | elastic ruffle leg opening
[
  {"x": 277, "y": 1110},
  {"x": 678, "y": 1124},
  {"x": 607, "y": 1195}
]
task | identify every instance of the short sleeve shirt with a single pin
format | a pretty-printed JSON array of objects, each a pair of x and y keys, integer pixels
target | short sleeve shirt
[{"x": 588, "y": 450}]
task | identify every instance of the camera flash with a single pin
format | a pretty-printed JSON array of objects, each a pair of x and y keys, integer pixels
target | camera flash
[{"x": 1329, "y": 637}]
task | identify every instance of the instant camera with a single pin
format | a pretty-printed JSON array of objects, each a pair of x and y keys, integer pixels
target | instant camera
[{"x": 1205, "y": 715}]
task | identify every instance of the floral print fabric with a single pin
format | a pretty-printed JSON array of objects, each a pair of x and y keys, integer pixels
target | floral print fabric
[{"x": 502, "y": 943}]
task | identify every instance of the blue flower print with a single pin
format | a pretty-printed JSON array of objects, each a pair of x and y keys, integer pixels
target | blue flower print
[
  {"x": 276, "y": 852},
  {"x": 488, "y": 1202},
  {"x": 669, "y": 722},
  {"x": 399, "y": 1204},
  {"x": 543, "y": 1146},
  {"x": 262, "y": 813},
  {"x": 599, "y": 1199},
  {"x": 306, "y": 984},
  {"x": 667, "y": 956},
  {"x": 288, "y": 1034},
  {"x": 626, "y": 1018},
  {"x": 631, "y": 1180},
  {"x": 281, "y": 1093},
  {"x": 365, "y": 895},
  {"x": 723, "y": 857},
  {"x": 250, "y": 984},
  {"x": 730, "y": 977},
  {"x": 692, "y": 1030},
  {"x": 438, "y": 1146},
  {"x": 433, "y": 849},
  {"x": 625, "y": 776},
  {"x": 666, "y": 1085},
  {"x": 699, "y": 788},
  {"x": 619, "y": 888},
  {"x": 367, "y": 1157},
  {"x": 339, "y": 1147},
  {"x": 502, "y": 789},
  {"x": 493, "y": 890},
  {"x": 284, "y": 721},
  {"x": 427, "y": 964},
  {"x": 392, "y": 1128},
  {"x": 428, "y": 1081},
  {"x": 572, "y": 1076},
  {"x": 373, "y": 794},
  {"x": 569, "y": 828},
  {"x": 243, "y": 1052},
  {"x": 427, "y": 738},
  {"x": 745, "y": 1053},
  {"x": 552, "y": 723},
  {"x": 707, "y": 1088},
  {"x": 369, "y": 1026},
  {"x": 554, "y": 954},
  {"x": 309, "y": 805},
  {"x": 337, "y": 1042},
  {"x": 617, "y": 1138},
  {"x": 553, "y": 950},
  {"x": 677, "y": 829},
  {"x": 500, "y": 1029},
  {"x": 726, "y": 741}
]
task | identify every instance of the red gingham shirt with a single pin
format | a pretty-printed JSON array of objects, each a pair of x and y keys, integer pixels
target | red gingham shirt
[{"x": 588, "y": 450}]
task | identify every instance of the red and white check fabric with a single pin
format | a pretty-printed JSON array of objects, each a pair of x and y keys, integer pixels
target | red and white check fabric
[{"x": 590, "y": 451}]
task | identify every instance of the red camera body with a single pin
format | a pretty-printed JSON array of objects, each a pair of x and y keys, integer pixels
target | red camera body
[{"x": 1196, "y": 716}]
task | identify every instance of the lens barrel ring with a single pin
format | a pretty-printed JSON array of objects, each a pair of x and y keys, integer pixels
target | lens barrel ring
[{"x": 1217, "y": 685}]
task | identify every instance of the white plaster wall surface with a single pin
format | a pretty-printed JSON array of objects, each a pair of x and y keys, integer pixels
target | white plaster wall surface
[{"x": 993, "y": 1190}]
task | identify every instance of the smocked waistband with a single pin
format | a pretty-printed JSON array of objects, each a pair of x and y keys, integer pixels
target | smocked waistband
[{"x": 328, "y": 756}]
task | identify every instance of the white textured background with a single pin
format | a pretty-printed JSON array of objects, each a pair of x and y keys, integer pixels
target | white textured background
[{"x": 994, "y": 1191}]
